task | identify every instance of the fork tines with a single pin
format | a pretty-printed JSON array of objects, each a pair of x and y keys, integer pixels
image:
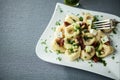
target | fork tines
[{"x": 104, "y": 24}]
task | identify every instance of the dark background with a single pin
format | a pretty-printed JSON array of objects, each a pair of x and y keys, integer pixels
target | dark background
[{"x": 21, "y": 24}]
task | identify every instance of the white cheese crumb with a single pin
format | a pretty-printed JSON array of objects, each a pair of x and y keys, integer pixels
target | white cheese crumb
[
  {"x": 105, "y": 39},
  {"x": 93, "y": 31},
  {"x": 88, "y": 48},
  {"x": 59, "y": 35}
]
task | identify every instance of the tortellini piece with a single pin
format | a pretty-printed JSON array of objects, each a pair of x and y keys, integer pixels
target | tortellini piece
[
  {"x": 100, "y": 35},
  {"x": 57, "y": 47},
  {"x": 88, "y": 55},
  {"x": 88, "y": 39},
  {"x": 72, "y": 30},
  {"x": 71, "y": 18},
  {"x": 104, "y": 51},
  {"x": 60, "y": 32},
  {"x": 88, "y": 16},
  {"x": 73, "y": 53},
  {"x": 69, "y": 43}
]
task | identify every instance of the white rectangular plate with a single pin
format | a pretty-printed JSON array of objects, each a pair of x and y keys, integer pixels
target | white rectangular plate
[{"x": 43, "y": 50}]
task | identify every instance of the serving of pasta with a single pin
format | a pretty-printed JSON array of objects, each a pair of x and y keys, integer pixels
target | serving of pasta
[{"x": 78, "y": 39}]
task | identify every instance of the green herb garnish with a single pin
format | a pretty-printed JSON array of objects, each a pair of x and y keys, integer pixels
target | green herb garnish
[
  {"x": 46, "y": 49},
  {"x": 86, "y": 37},
  {"x": 71, "y": 50},
  {"x": 44, "y": 42},
  {"x": 113, "y": 57},
  {"x": 78, "y": 60},
  {"x": 117, "y": 62},
  {"x": 57, "y": 23},
  {"x": 116, "y": 46},
  {"x": 77, "y": 14},
  {"x": 91, "y": 65},
  {"x": 60, "y": 9},
  {"x": 114, "y": 31},
  {"x": 85, "y": 56},
  {"x": 53, "y": 28},
  {"x": 95, "y": 18},
  {"x": 58, "y": 51},
  {"x": 59, "y": 58},
  {"x": 50, "y": 51},
  {"x": 103, "y": 61},
  {"x": 109, "y": 71},
  {"x": 70, "y": 41},
  {"x": 81, "y": 18},
  {"x": 99, "y": 52}
]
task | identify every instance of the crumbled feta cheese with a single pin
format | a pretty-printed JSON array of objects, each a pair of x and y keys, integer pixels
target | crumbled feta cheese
[
  {"x": 59, "y": 35},
  {"x": 88, "y": 48},
  {"x": 104, "y": 39},
  {"x": 93, "y": 31}
]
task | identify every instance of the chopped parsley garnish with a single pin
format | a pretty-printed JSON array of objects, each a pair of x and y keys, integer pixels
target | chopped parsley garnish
[
  {"x": 75, "y": 44},
  {"x": 89, "y": 62},
  {"x": 103, "y": 61},
  {"x": 78, "y": 60},
  {"x": 57, "y": 23},
  {"x": 114, "y": 31},
  {"x": 111, "y": 35},
  {"x": 53, "y": 28},
  {"x": 76, "y": 27},
  {"x": 58, "y": 51},
  {"x": 86, "y": 37},
  {"x": 109, "y": 71},
  {"x": 113, "y": 57},
  {"x": 46, "y": 49},
  {"x": 60, "y": 9},
  {"x": 59, "y": 58},
  {"x": 95, "y": 18},
  {"x": 77, "y": 14},
  {"x": 81, "y": 18},
  {"x": 116, "y": 46},
  {"x": 99, "y": 52},
  {"x": 117, "y": 62},
  {"x": 44, "y": 42},
  {"x": 85, "y": 56},
  {"x": 71, "y": 50},
  {"x": 70, "y": 41},
  {"x": 50, "y": 51},
  {"x": 91, "y": 65}
]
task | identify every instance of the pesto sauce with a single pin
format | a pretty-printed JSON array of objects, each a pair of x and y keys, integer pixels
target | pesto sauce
[{"x": 71, "y": 2}]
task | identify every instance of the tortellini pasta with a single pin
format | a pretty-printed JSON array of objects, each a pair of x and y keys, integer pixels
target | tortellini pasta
[{"x": 80, "y": 40}]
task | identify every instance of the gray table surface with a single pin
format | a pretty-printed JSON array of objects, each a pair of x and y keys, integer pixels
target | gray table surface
[{"x": 21, "y": 24}]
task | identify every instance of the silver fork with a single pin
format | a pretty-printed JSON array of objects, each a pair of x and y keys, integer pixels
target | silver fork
[{"x": 105, "y": 24}]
